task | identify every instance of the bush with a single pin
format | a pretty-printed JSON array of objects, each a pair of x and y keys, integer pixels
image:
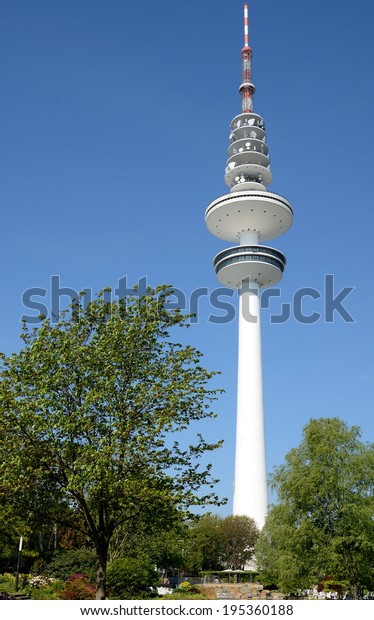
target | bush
[
  {"x": 190, "y": 594},
  {"x": 78, "y": 588},
  {"x": 186, "y": 588},
  {"x": 184, "y": 585},
  {"x": 44, "y": 588},
  {"x": 131, "y": 578},
  {"x": 39, "y": 567},
  {"x": 71, "y": 562},
  {"x": 7, "y": 582}
]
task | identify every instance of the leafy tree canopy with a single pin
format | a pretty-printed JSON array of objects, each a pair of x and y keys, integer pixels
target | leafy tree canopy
[
  {"x": 216, "y": 543},
  {"x": 92, "y": 408},
  {"x": 324, "y": 521},
  {"x": 239, "y": 535},
  {"x": 203, "y": 545}
]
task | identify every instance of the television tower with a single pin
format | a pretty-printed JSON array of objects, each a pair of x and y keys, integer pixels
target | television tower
[{"x": 248, "y": 216}]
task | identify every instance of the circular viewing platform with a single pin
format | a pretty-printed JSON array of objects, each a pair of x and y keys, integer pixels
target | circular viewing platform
[
  {"x": 255, "y": 263},
  {"x": 248, "y": 170},
  {"x": 267, "y": 214},
  {"x": 253, "y": 144},
  {"x": 247, "y": 119}
]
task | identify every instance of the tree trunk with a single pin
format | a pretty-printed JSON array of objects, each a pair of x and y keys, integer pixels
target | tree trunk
[
  {"x": 102, "y": 556},
  {"x": 355, "y": 591}
]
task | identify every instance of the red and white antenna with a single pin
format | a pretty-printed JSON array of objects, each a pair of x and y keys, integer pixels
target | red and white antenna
[
  {"x": 246, "y": 88},
  {"x": 246, "y": 43}
]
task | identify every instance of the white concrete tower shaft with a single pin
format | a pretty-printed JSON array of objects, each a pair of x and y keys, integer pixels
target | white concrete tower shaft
[
  {"x": 249, "y": 216},
  {"x": 250, "y": 493}
]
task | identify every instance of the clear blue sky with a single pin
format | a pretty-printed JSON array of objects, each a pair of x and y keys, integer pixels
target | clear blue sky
[{"x": 114, "y": 122}]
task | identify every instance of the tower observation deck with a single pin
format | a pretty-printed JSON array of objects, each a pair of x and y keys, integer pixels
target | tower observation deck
[{"x": 248, "y": 216}]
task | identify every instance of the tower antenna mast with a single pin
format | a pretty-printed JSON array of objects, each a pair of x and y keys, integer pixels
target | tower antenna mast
[
  {"x": 246, "y": 41},
  {"x": 246, "y": 88}
]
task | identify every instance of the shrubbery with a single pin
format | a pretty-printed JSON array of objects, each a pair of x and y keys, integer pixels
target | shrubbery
[
  {"x": 43, "y": 588},
  {"x": 78, "y": 588},
  {"x": 71, "y": 562},
  {"x": 7, "y": 582},
  {"x": 130, "y": 578}
]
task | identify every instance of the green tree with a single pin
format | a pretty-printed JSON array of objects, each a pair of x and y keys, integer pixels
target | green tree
[
  {"x": 238, "y": 536},
  {"x": 90, "y": 409},
  {"x": 203, "y": 546},
  {"x": 324, "y": 521}
]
